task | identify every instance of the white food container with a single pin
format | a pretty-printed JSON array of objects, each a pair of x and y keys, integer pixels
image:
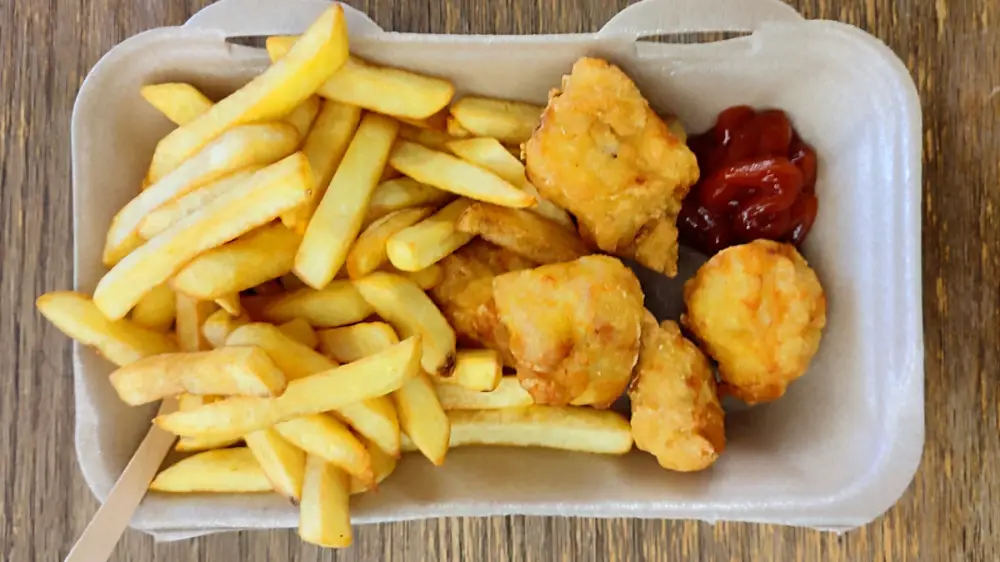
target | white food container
[{"x": 836, "y": 452}]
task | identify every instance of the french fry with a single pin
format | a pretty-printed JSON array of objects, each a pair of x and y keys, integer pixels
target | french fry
[
  {"x": 422, "y": 418},
  {"x": 436, "y": 122},
  {"x": 303, "y": 115},
  {"x": 239, "y": 371},
  {"x": 327, "y": 438},
  {"x": 374, "y": 418},
  {"x": 430, "y": 240},
  {"x": 238, "y": 148},
  {"x": 383, "y": 464},
  {"x": 324, "y": 146},
  {"x": 490, "y": 154},
  {"x": 230, "y": 303},
  {"x": 156, "y": 310},
  {"x": 272, "y": 191},
  {"x": 426, "y": 278},
  {"x": 191, "y": 316},
  {"x": 511, "y": 122},
  {"x": 247, "y": 262},
  {"x": 522, "y": 232},
  {"x": 553, "y": 427},
  {"x": 478, "y": 370},
  {"x": 380, "y": 89},
  {"x": 299, "y": 330},
  {"x": 455, "y": 129},
  {"x": 339, "y": 304},
  {"x": 324, "y": 513},
  {"x": 402, "y": 193},
  {"x": 370, "y": 377},
  {"x": 187, "y": 402},
  {"x": 337, "y": 220},
  {"x": 444, "y": 171},
  {"x": 508, "y": 394},
  {"x": 273, "y": 94},
  {"x": 179, "y": 102},
  {"x": 368, "y": 252},
  {"x": 283, "y": 463},
  {"x": 219, "y": 325},
  {"x": 223, "y": 470},
  {"x": 164, "y": 216},
  {"x": 120, "y": 341},
  {"x": 431, "y": 138},
  {"x": 411, "y": 312},
  {"x": 351, "y": 343}
]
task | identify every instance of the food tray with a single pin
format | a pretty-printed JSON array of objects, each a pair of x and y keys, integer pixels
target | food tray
[{"x": 836, "y": 452}]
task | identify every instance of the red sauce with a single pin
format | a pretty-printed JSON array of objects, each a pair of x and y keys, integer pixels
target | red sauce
[{"x": 758, "y": 180}]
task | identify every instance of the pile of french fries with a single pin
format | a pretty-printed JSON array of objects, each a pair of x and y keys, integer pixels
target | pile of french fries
[{"x": 271, "y": 274}]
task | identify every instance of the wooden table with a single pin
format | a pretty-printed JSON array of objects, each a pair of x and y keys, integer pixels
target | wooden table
[{"x": 950, "y": 512}]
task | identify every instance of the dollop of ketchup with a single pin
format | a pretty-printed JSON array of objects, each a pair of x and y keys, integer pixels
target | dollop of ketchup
[{"x": 758, "y": 180}]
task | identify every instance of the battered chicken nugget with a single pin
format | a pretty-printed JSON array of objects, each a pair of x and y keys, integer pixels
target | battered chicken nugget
[
  {"x": 574, "y": 329},
  {"x": 758, "y": 309},
  {"x": 656, "y": 246},
  {"x": 465, "y": 294},
  {"x": 676, "y": 415},
  {"x": 604, "y": 155}
]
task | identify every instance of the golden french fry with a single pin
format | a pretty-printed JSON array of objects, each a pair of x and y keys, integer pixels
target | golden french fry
[
  {"x": 325, "y": 437},
  {"x": 522, "y": 232},
  {"x": 351, "y": 343},
  {"x": 490, "y": 154},
  {"x": 191, "y": 316},
  {"x": 240, "y": 371},
  {"x": 303, "y": 115},
  {"x": 368, "y": 252},
  {"x": 376, "y": 420},
  {"x": 377, "y": 88},
  {"x": 299, "y": 330},
  {"x": 187, "y": 402},
  {"x": 219, "y": 325},
  {"x": 444, "y": 171},
  {"x": 431, "y": 138},
  {"x": 455, "y": 129},
  {"x": 179, "y": 102},
  {"x": 430, "y": 240},
  {"x": 511, "y": 122},
  {"x": 247, "y": 262},
  {"x": 120, "y": 341},
  {"x": 436, "y": 122},
  {"x": 383, "y": 464},
  {"x": 339, "y": 304},
  {"x": 402, "y": 193},
  {"x": 272, "y": 191},
  {"x": 223, "y": 470},
  {"x": 324, "y": 514},
  {"x": 283, "y": 463},
  {"x": 238, "y": 148},
  {"x": 324, "y": 146},
  {"x": 156, "y": 310},
  {"x": 555, "y": 427},
  {"x": 410, "y": 311},
  {"x": 273, "y": 94},
  {"x": 164, "y": 216},
  {"x": 230, "y": 303},
  {"x": 426, "y": 278},
  {"x": 337, "y": 220},
  {"x": 508, "y": 394},
  {"x": 355, "y": 382},
  {"x": 478, "y": 370},
  {"x": 422, "y": 418}
]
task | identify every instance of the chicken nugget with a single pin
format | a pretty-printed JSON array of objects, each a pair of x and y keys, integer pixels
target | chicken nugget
[
  {"x": 759, "y": 310},
  {"x": 573, "y": 328},
  {"x": 676, "y": 415}
]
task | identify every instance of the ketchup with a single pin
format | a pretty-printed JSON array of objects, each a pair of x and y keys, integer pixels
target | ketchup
[{"x": 758, "y": 180}]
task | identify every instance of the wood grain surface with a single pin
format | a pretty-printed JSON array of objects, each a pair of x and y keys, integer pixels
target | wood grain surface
[{"x": 950, "y": 512}]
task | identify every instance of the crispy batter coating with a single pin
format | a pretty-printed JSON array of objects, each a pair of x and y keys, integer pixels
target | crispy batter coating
[
  {"x": 465, "y": 294},
  {"x": 574, "y": 329},
  {"x": 676, "y": 415},
  {"x": 758, "y": 309},
  {"x": 656, "y": 246},
  {"x": 604, "y": 155}
]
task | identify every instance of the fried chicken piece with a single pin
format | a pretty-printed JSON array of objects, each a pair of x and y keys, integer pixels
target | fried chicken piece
[
  {"x": 758, "y": 309},
  {"x": 574, "y": 329},
  {"x": 676, "y": 415},
  {"x": 604, "y": 155},
  {"x": 656, "y": 246},
  {"x": 465, "y": 294}
]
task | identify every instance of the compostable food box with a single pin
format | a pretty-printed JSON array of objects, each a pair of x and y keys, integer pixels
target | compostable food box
[{"x": 836, "y": 452}]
